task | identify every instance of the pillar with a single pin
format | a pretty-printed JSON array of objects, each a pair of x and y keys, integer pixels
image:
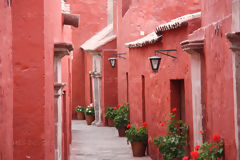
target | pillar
[
  {"x": 234, "y": 38},
  {"x": 195, "y": 49},
  {"x": 60, "y": 50},
  {"x": 96, "y": 81}
]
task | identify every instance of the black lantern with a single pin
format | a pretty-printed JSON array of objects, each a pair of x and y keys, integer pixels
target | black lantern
[
  {"x": 155, "y": 60},
  {"x": 112, "y": 62}
]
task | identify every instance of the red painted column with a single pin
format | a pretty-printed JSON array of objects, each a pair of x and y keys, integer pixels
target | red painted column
[
  {"x": 33, "y": 115},
  {"x": 6, "y": 105}
]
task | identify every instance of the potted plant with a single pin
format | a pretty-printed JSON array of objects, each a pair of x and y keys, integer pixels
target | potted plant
[
  {"x": 110, "y": 115},
  {"x": 172, "y": 146},
  {"x": 90, "y": 115},
  {"x": 138, "y": 138},
  {"x": 80, "y": 112},
  {"x": 121, "y": 119}
]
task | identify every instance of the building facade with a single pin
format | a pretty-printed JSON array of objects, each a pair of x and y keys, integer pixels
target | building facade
[
  {"x": 201, "y": 82},
  {"x": 35, "y": 97}
]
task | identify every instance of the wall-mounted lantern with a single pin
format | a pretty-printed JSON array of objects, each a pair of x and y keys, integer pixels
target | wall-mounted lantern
[
  {"x": 156, "y": 60},
  {"x": 113, "y": 60}
]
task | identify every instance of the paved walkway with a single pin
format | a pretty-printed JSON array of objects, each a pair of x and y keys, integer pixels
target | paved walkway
[{"x": 99, "y": 143}]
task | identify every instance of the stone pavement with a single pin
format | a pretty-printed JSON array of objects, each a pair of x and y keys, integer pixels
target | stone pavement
[{"x": 99, "y": 143}]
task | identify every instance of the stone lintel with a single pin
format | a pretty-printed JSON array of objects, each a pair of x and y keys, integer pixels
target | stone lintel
[
  {"x": 62, "y": 48},
  {"x": 193, "y": 46},
  {"x": 234, "y": 38},
  {"x": 71, "y": 19}
]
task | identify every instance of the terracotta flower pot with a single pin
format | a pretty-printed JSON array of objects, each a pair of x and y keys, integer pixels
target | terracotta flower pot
[
  {"x": 121, "y": 132},
  {"x": 90, "y": 119},
  {"x": 138, "y": 149},
  {"x": 80, "y": 115},
  {"x": 110, "y": 122}
]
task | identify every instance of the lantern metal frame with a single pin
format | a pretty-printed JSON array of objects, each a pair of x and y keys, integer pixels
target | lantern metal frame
[
  {"x": 117, "y": 55},
  {"x": 163, "y": 52}
]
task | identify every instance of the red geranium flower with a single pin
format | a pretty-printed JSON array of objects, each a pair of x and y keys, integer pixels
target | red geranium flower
[
  {"x": 119, "y": 105},
  {"x": 201, "y": 132},
  {"x": 144, "y": 124},
  {"x": 129, "y": 125},
  {"x": 185, "y": 158},
  {"x": 197, "y": 147},
  {"x": 115, "y": 108},
  {"x": 161, "y": 124},
  {"x": 149, "y": 141},
  {"x": 174, "y": 109},
  {"x": 194, "y": 155},
  {"x": 216, "y": 137}
]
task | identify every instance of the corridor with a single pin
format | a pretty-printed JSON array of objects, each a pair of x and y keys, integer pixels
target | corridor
[{"x": 99, "y": 143}]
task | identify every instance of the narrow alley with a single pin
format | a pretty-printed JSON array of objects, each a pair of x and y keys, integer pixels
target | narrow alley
[
  {"x": 80, "y": 78},
  {"x": 99, "y": 143}
]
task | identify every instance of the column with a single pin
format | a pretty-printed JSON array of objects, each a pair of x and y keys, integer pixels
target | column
[
  {"x": 195, "y": 49},
  {"x": 96, "y": 79},
  {"x": 60, "y": 50},
  {"x": 234, "y": 38}
]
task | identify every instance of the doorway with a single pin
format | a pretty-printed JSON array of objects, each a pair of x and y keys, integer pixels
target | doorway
[{"x": 178, "y": 98}]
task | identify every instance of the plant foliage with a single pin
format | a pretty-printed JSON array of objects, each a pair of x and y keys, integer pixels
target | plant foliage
[
  {"x": 89, "y": 111},
  {"x": 211, "y": 151},
  {"x": 111, "y": 112},
  {"x": 137, "y": 134},
  {"x": 121, "y": 119},
  {"x": 80, "y": 109},
  {"x": 173, "y": 144}
]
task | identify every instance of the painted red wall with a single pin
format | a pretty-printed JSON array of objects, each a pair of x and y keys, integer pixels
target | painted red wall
[
  {"x": 109, "y": 79},
  {"x": 6, "y": 85},
  {"x": 93, "y": 19},
  {"x": 157, "y": 85},
  {"x": 67, "y": 97},
  {"x": 88, "y": 84},
  {"x": 33, "y": 113},
  {"x": 144, "y": 16},
  {"x": 217, "y": 70},
  {"x": 28, "y": 71},
  {"x": 218, "y": 73}
]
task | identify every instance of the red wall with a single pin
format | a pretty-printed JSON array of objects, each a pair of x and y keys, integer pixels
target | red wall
[
  {"x": 33, "y": 97},
  {"x": 218, "y": 72},
  {"x": 157, "y": 85},
  {"x": 109, "y": 79},
  {"x": 93, "y": 19},
  {"x": 29, "y": 82},
  {"x": 67, "y": 97},
  {"x": 144, "y": 16},
  {"x": 217, "y": 67},
  {"x": 6, "y": 85}
]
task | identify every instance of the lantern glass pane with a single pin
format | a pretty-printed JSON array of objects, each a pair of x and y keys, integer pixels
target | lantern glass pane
[
  {"x": 112, "y": 61},
  {"x": 155, "y": 63}
]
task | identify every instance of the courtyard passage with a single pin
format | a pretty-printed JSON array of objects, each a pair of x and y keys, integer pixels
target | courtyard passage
[{"x": 99, "y": 143}]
